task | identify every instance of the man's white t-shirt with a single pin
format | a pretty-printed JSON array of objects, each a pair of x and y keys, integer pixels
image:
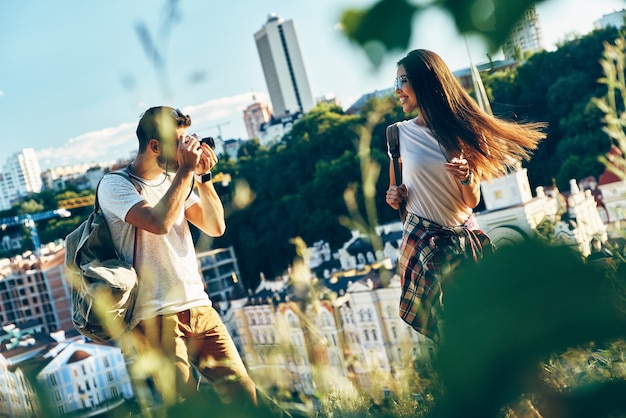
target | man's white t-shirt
[
  {"x": 167, "y": 267},
  {"x": 432, "y": 192}
]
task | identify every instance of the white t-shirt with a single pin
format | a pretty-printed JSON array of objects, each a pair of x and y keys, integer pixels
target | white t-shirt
[
  {"x": 169, "y": 280},
  {"x": 432, "y": 192}
]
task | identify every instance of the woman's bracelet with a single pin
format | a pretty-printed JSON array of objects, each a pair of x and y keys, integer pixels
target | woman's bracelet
[{"x": 468, "y": 180}]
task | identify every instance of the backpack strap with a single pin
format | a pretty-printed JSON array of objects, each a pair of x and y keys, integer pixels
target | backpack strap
[
  {"x": 126, "y": 174},
  {"x": 393, "y": 145}
]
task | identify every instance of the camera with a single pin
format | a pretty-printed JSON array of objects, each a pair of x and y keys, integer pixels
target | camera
[{"x": 209, "y": 141}]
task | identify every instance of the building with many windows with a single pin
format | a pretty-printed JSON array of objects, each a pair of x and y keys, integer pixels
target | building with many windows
[
  {"x": 20, "y": 176},
  {"x": 85, "y": 379},
  {"x": 17, "y": 396},
  {"x": 220, "y": 272},
  {"x": 525, "y": 36},
  {"x": 255, "y": 115},
  {"x": 35, "y": 289},
  {"x": 283, "y": 67}
]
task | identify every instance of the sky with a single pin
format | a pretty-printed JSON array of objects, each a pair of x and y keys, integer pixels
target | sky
[{"x": 76, "y": 75}]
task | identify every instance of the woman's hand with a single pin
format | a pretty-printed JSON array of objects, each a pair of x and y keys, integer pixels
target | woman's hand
[
  {"x": 460, "y": 169},
  {"x": 395, "y": 195},
  {"x": 469, "y": 184}
]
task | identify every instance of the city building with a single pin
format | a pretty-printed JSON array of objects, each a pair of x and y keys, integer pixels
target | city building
[
  {"x": 306, "y": 337},
  {"x": 525, "y": 37},
  {"x": 255, "y": 115},
  {"x": 283, "y": 67},
  {"x": 232, "y": 146},
  {"x": 17, "y": 396},
  {"x": 220, "y": 272},
  {"x": 20, "y": 176},
  {"x": 512, "y": 214},
  {"x": 615, "y": 19},
  {"x": 35, "y": 289},
  {"x": 85, "y": 379},
  {"x": 274, "y": 130}
]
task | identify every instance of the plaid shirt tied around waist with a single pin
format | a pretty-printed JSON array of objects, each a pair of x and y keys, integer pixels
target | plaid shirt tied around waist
[{"x": 428, "y": 252}]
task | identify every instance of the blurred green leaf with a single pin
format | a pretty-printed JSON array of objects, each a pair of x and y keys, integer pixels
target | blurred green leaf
[
  {"x": 505, "y": 315},
  {"x": 386, "y": 26}
]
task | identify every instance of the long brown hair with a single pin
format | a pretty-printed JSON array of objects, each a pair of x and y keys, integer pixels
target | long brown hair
[{"x": 490, "y": 144}]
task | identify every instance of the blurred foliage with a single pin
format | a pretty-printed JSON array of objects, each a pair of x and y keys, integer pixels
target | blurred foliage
[
  {"x": 387, "y": 25},
  {"x": 559, "y": 87},
  {"x": 518, "y": 309},
  {"x": 613, "y": 104}
]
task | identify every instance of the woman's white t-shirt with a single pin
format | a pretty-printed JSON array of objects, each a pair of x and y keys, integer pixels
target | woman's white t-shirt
[{"x": 433, "y": 193}]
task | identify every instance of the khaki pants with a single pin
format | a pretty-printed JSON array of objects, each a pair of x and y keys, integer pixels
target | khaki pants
[{"x": 195, "y": 337}]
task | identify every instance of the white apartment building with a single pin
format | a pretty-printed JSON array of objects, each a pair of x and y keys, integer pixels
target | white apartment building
[
  {"x": 17, "y": 396},
  {"x": 512, "y": 213},
  {"x": 85, "y": 378},
  {"x": 283, "y": 67},
  {"x": 525, "y": 34},
  {"x": 615, "y": 19},
  {"x": 20, "y": 176}
]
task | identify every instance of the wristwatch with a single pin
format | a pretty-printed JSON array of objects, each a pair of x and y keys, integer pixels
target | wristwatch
[{"x": 203, "y": 178}]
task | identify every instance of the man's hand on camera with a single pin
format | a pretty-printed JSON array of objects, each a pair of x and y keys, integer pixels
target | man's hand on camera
[
  {"x": 207, "y": 161},
  {"x": 189, "y": 152}
]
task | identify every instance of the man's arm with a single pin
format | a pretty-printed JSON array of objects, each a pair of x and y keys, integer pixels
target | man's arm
[
  {"x": 208, "y": 215},
  {"x": 160, "y": 218}
]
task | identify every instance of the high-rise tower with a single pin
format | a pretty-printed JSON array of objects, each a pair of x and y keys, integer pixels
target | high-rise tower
[
  {"x": 525, "y": 36},
  {"x": 20, "y": 176},
  {"x": 283, "y": 67}
]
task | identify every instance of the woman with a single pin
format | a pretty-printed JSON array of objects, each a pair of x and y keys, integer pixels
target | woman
[{"x": 445, "y": 153}]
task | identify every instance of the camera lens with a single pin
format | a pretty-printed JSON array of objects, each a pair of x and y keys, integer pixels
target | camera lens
[{"x": 209, "y": 141}]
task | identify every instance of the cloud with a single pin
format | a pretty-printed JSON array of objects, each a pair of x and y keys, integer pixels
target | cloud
[
  {"x": 222, "y": 112},
  {"x": 218, "y": 110},
  {"x": 98, "y": 146},
  {"x": 1, "y": 93},
  {"x": 118, "y": 142}
]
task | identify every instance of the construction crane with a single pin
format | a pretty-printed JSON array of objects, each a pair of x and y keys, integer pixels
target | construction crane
[
  {"x": 29, "y": 220},
  {"x": 219, "y": 128}
]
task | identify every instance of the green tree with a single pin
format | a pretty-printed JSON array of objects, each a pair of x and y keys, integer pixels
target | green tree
[{"x": 29, "y": 206}]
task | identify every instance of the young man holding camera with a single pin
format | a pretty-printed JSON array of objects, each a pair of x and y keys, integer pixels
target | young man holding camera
[{"x": 173, "y": 318}]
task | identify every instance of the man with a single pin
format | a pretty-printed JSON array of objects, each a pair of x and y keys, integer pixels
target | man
[{"x": 173, "y": 318}]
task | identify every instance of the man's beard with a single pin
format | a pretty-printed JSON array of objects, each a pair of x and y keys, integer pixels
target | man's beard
[{"x": 167, "y": 164}]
